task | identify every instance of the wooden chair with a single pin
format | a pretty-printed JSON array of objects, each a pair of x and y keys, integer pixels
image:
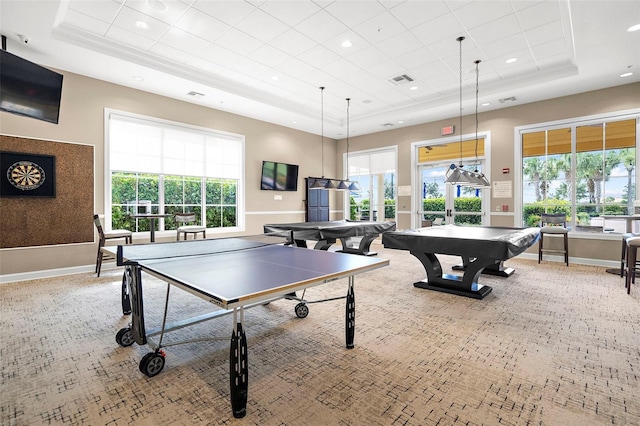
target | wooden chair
[
  {"x": 184, "y": 218},
  {"x": 109, "y": 235},
  {"x": 554, "y": 225}
]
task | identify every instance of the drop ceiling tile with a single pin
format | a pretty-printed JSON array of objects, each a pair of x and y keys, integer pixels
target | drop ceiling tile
[
  {"x": 183, "y": 41},
  {"x": 353, "y": 13},
  {"x": 505, "y": 48},
  {"x": 262, "y": 26},
  {"x": 551, "y": 48},
  {"x": 495, "y": 30},
  {"x": 379, "y": 28},
  {"x": 479, "y": 13},
  {"x": 173, "y": 10},
  {"x": 291, "y": 12},
  {"x": 427, "y": 71},
  {"x": 340, "y": 68},
  {"x": 399, "y": 45},
  {"x": 539, "y": 14},
  {"x": 219, "y": 55},
  {"x": 368, "y": 56},
  {"x": 357, "y": 43},
  {"x": 386, "y": 70},
  {"x": 292, "y": 42},
  {"x": 228, "y": 11},
  {"x": 321, "y": 27},
  {"x": 269, "y": 55},
  {"x": 545, "y": 33},
  {"x": 415, "y": 58},
  {"x": 238, "y": 41},
  {"x": 86, "y": 23},
  {"x": 318, "y": 56},
  {"x": 415, "y": 13},
  {"x": 127, "y": 18},
  {"x": 202, "y": 25},
  {"x": 296, "y": 68},
  {"x": 103, "y": 10},
  {"x": 129, "y": 39},
  {"x": 443, "y": 28}
]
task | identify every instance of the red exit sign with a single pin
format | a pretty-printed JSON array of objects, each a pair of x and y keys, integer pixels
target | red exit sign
[{"x": 447, "y": 130}]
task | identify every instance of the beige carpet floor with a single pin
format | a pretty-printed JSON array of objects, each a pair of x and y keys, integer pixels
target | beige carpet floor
[{"x": 550, "y": 345}]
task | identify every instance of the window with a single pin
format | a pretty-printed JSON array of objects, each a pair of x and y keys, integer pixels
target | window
[
  {"x": 163, "y": 167},
  {"x": 585, "y": 168},
  {"x": 375, "y": 171}
]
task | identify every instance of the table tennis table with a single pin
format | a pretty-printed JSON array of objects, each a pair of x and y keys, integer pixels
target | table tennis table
[
  {"x": 233, "y": 274},
  {"x": 480, "y": 247},
  {"x": 356, "y": 236}
]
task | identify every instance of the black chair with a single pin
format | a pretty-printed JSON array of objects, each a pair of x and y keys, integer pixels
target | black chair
[
  {"x": 109, "y": 235},
  {"x": 623, "y": 255},
  {"x": 632, "y": 267},
  {"x": 554, "y": 225},
  {"x": 186, "y": 218}
]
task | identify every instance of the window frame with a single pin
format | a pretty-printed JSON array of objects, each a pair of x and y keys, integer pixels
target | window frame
[
  {"x": 241, "y": 181},
  {"x": 572, "y": 123}
]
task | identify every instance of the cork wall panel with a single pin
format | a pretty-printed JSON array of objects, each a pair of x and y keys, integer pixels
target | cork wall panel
[{"x": 64, "y": 219}]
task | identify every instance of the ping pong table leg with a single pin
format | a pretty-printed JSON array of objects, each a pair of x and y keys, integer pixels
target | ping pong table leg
[
  {"x": 350, "y": 318},
  {"x": 126, "y": 291},
  {"x": 238, "y": 367}
]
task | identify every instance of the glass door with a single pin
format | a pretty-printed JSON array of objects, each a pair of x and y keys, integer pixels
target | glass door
[{"x": 441, "y": 203}]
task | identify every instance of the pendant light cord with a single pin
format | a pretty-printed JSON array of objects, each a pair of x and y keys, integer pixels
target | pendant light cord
[
  {"x": 322, "y": 126},
  {"x": 477, "y": 92},
  {"x": 460, "y": 40},
  {"x": 348, "y": 103}
]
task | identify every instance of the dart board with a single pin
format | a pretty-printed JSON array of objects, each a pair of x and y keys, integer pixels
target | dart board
[{"x": 26, "y": 175}]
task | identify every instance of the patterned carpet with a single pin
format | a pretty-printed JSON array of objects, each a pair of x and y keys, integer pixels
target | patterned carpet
[{"x": 550, "y": 345}]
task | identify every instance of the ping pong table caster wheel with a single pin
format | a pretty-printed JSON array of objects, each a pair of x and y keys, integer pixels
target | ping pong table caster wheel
[
  {"x": 124, "y": 337},
  {"x": 302, "y": 310},
  {"x": 152, "y": 363}
]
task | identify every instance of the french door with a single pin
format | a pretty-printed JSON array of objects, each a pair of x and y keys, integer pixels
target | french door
[{"x": 443, "y": 203}]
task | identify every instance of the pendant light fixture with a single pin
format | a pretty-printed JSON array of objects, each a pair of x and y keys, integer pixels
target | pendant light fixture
[
  {"x": 346, "y": 184},
  {"x": 318, "y": 183},
  {"x": 456, "y": 174}
]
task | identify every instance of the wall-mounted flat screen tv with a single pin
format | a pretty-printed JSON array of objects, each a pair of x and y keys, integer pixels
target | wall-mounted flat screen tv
[
  {"x": 279, "y": 176},
  {"x": 28, "y": 89}
]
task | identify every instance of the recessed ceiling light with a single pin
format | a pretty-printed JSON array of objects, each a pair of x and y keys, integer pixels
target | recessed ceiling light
[
  {"x": 158, "y": 5},
  {"x": 141, "y": 24},
  {"x": 511, "y": 60},
  {"x": 413, "y": 88},
  {"x": 347, "y": 43},
  {"x": 137, "y": 78},
  {"x": 486, "y": 104},
  {"x": 366, "y": 101},
  {"x": 633, "y": 28},
  {"x": 294, "y": 122},
  {"x": 626, "y": 74},
  {"x": 400, "y": 121},
  {"x": 275, "y": 78}
]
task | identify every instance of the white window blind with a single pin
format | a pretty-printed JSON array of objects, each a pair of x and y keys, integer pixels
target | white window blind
[
  {"x": 372, "y": 163},
  {"x": 145, "y": 146}
]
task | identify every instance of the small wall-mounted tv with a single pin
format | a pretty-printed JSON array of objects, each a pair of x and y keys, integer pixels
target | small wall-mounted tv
[
  {"x": 279, "y": 176},
  {"x": 29, "y": 89}
]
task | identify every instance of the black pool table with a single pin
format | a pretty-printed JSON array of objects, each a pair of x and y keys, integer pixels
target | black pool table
[
  {"x": 479, "y": 246},
  {"x": 355, "y": 236}
]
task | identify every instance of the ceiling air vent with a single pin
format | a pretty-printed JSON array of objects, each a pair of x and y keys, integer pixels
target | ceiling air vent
[
  {"x": 401, "y": 79},
  {"x": 509, "y": 99},
  {"x": 195, "y": 94}
]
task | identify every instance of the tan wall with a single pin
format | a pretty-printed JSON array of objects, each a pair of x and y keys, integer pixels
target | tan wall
[
  {"x": 501, "y": 123},
  {"x": 82, "y": 121}
]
